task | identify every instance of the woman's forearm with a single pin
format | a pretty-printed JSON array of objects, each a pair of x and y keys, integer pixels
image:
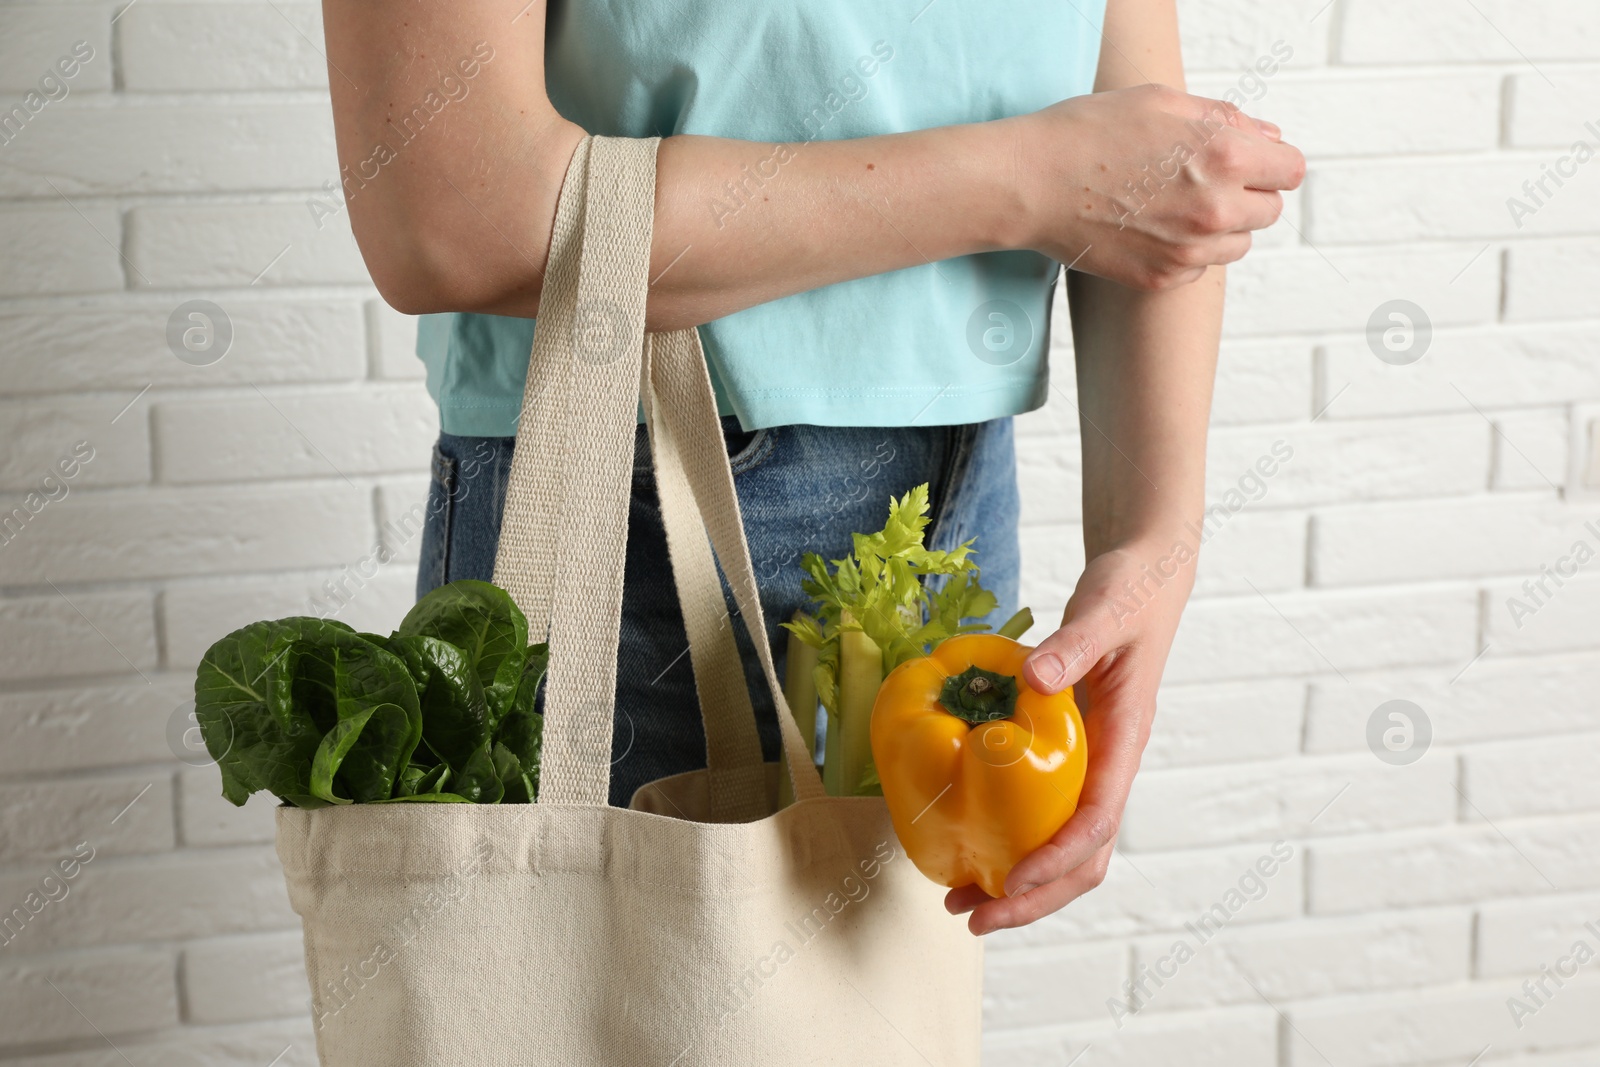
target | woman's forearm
[{"x": 1145, "y": 365}]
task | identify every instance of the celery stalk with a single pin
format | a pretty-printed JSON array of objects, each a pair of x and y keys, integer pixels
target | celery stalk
[
  {"x": 860, "y": 675},
  {"x": 1014, "y": 627},
  {"x": 831, "y": 765},
  {"x": 800, "y": 691}
]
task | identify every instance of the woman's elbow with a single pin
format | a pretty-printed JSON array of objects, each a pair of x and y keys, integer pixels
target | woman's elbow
[{"x": 423, "y": 266}]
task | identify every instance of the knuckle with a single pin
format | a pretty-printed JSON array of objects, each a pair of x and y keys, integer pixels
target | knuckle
[
  {"x": 1102, "y": 829},
  {"x": 1210, "y": 215},
  {"x": 1184, "y": 258},
  {"x": 1227, "y": 156}
]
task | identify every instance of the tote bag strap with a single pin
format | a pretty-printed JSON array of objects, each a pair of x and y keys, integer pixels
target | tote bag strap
[{"x": 564, "y": 531}]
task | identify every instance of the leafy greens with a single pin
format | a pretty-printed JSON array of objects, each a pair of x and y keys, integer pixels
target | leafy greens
[{"x": 441, "y": 710}]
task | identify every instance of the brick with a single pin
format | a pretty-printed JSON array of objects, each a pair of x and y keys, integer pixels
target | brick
[
  {"x": 1247, "y": 637},
  {"x": 1498, "y": 779},
  {"x": 392, "y": 340},
  {"x": 37, "y": 35},
  {"x": 1233, "y": 36},
  {"x": 1225, "y": 723},
  {"x": 82, "y": 248},
  {"x": 1553, "y": 113},
  {"x": 1313, "y": 290},
  {"x": 85, "y": 727},
  {"x": 1367, "y": 116},
  {"x": 1551, "y": 280},
  {"x": 1460, "y": 371},
  {"x": 1161, "y": 892},
  {"x": 1056, "y": 422},
  {"x": 203, "y": 46},
  {"x": 1549, "y": 695},
  {"x": 1052, "y": 560},
  {"x": 1580, "y": 1057},
  {"x": 1301, "y": 959},
  {"x": 403, "y": 516},
  {"x": 236, "y": 244},
  {"x": 45, "y": 434},
  {"x": 178, "y": 896},
  {"x": 1372, "y": 31},
  {"x": 46, "y": 636},
  {"x": 1452, "y": 1024},
  {"x": 1294, "y": 798},
  {"x": 193, "y": 532},
  {"x": 1232, "y": 1037},
  {"x": 174, "y": 148},
  {"x": 107, "y": 993},
  {"x": 1517, "y": 937},
  {"x": 1563, "y": 618},
  {"x": 1435, "y": 539},
  {"x": 128, "y": 813},
  {"x": 1531, "y": 449},
  {"x": 1262, "y": 382},
  {"x": 243, "y": 979},
  {"x": 1041, "y": 987},
  {"x": 295, "y": 435},
  {"x": 1457, "y": 865},
  {"x": 1267, "y": 549},
  {"x": 66, "y": 349},
  {"x": 1416, "y": 201},
  {"x": 1050, "y": 481},
  {"x": 1335, "y": 461},
  {"x": 194, "y": 615},
  {"x": 205, "y": 818},
  {"x": 1586, "y": 447},
  {"x": 292, "y": 1043}
]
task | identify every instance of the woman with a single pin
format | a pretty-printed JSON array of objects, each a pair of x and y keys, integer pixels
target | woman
[{"x": 864, "y": 205}]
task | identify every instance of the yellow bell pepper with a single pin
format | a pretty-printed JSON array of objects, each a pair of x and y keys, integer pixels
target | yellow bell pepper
[{"x": 978, "y": 768}]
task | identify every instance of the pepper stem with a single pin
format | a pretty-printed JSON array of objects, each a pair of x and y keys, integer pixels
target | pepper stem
[{"x": 979, "y": 696}]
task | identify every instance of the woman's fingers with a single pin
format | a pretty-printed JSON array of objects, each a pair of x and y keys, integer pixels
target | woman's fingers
[
  {"x": 1256, "y": 162},
  {"x": 1007, "y": 912},
  {"x": 1117, "y": 721},
  {"x": 963, "y": 899},
  {"x": 1091, "y": 627}
]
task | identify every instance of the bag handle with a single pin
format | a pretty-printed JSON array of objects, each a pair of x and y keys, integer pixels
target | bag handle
[{"x": 564, "y": 531}]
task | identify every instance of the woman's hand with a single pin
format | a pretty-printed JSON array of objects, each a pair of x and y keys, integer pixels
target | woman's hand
[
  {"x": 1112, "y": 646},
  {"x": 1149, "y": 186}
]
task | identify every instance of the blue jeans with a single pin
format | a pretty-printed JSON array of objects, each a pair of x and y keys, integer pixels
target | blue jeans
[{"x": 801, "y": 489}]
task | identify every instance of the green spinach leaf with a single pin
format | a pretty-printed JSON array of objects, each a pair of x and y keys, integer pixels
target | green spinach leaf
[{"x": 482, "y": 621}]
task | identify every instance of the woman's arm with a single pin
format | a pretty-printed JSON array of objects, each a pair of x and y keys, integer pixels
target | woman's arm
[
  {"x": 1145, "y": 363},
  {"x": 457, "y": 217}
]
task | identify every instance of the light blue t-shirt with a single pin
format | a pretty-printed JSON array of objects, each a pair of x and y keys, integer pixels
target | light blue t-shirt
[{"x": 961, "y": 340}]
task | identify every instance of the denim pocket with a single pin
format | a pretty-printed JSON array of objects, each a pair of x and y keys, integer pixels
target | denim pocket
[
  {"x": 749, "y": 451},
  {"x": 434, "y": 568}
]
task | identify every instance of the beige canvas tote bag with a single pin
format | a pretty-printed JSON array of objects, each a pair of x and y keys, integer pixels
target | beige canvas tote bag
[{"x": 700, "y": 926}]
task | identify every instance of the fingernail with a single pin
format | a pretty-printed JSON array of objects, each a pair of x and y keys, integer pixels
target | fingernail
[
  {"x": 1049, "y": 669},
  {"x": 1022, "y": 889},
  {"x": 1270, "y": 127}
]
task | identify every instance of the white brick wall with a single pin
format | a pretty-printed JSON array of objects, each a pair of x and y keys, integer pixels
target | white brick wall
[{"x": 1378, "y": 563}]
